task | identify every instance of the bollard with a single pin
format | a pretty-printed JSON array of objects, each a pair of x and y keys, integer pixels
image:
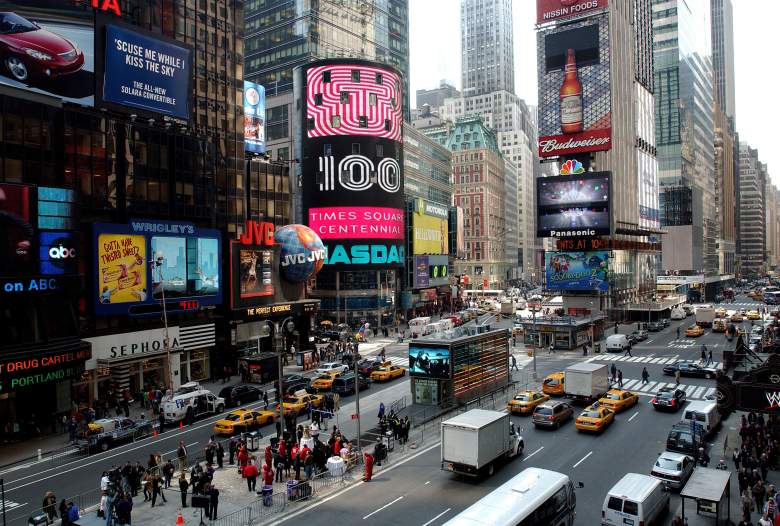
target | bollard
[{"x": 40, "y": 456}]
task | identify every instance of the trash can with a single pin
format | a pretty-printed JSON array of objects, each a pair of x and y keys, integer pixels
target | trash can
[
  {"x": 267, "y": 493},
  {"x": 253, "y": 440},
  {"x": 292, "y": 489}
]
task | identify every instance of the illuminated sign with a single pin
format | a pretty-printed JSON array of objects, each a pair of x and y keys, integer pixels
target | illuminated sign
[
  {"x": 354, "y": 174},
  {"x": 258, "y": 233},
  {"x": 107, "y": 5},
  {"x": 254, "y": 117},
  {"x": 357, "y": 222},
  {"x": 282, "y": 308},
  {"x": 30, "y": 285},
  {"x": 302, "y": 253},
  {"x": 572, "y": 167},
  {"x": 430, "y": 228},
  {"x": 366, "y": 255},
  {"x": 57, "y": 252},
  {"x": 577, "y": 270}
]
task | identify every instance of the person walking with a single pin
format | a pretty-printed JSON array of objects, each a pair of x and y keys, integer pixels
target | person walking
[
  {"x": 628, "y": 350},
  {"x": 677, "y": 377},
  {"x": 157, "y": 490},
  {"x": 709, "y": 357},
  {"x": 381, "y": 413},
  {"x": 49, "y": 506},
  {"x": 703, "y": 354},
  {"x": 613, "y": 373},
  {"x": 551, "y": 348},
  {"x": 678, "y": 332},
  {"x": 213, "y": 502},
  {"x": 645, "y": 375},
  {"x": 250, "y": 472},
  {"x": 161, "y": 420},
  {"x": 620, "y": 378},
  {"x": 183, "y": 487},
  {"x": 220, "y": 452},
  {"x": 124, "y": 510},
  {"x": 181, "y": 453},
  {"x": 514, "y": 363},
  {"x": 265, "y": 399}
]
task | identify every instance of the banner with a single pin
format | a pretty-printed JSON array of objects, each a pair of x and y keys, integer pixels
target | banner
[
  {"x": 254, "y": 117},
  {"x": 430, "y": 225},
  {"x": 577, "y": 270},
  {"x": 549, "y": 10},
  {"x": 121, "y": 268}
]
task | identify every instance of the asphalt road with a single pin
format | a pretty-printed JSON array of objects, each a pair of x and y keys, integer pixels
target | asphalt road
[{"x": 418, "y": 493}]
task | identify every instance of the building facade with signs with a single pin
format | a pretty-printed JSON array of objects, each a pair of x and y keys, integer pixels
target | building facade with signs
[{"x": 97, "y": 148}]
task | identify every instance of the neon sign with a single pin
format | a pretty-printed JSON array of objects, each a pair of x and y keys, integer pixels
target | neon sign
[
  {"x": 107, "y": 5},
  {"x": 258, "y": 233}
]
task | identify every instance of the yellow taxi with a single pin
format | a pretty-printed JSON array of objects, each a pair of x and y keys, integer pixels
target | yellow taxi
[
  {"x": 324, "y": 382},
  {"x": 618, "y": 400},
  {"x": 297, "y": 403},
  {"x": 694, "y": 331},
  {"x": 525, "y": 402},
  {"x": 386, "y": 373},
  {"x": 737, "y": 317},
  {"x": 594, "y": 418},
  {"x": 242, "y": 420},
  {"x": 553, "y": 384},
  {"x": 719, "y": 325},
  {"x": 720, "y": 312},
  {"x": 753, "y": 315}
]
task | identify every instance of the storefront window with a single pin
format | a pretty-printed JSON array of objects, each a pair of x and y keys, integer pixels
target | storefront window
[
  {"x": 154, "y": 373},
  {"x": 199, "y": 366}
]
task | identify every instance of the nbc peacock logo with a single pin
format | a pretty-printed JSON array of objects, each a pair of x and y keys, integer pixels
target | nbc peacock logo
[{"x": 572, "y": 167}]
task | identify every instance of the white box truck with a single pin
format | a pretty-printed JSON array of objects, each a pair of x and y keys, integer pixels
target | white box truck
[
  {"x": 586, "y": 381},
  {"x": 471, "y": 443},
  {"x": 705, "y": 316}
]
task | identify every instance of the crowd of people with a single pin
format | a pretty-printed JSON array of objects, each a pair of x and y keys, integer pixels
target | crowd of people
[{"x": 758, "y": 452}]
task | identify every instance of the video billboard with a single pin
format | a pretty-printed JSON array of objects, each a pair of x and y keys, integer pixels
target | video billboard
[
  {"x": 429, "y": 362},
  {"x": 48, "y": 48},
  {"x": 575, "y": 114},
  {"x": 430, "y": 226},
  {"x": 254, "y": 117},
  {"x": 573, "y": 205},
  {"x": 147, "y": 73},
  {"x": 351, "y": 173},
  {"x": 577, "y": 270},
  {"x": 140, "y": 262}
]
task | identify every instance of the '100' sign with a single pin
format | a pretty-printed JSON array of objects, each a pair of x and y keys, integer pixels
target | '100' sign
[{"x": 357, "y": 173}]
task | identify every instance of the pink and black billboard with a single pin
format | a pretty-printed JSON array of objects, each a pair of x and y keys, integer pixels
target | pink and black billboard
[{"x": 351, "y": 161}]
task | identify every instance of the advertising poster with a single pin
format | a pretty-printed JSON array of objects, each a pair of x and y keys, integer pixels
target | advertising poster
[
  {"x": 460, "y": 234},
  {"x": 430, "y": 225},
  {"x": 421, "y": 277},
  {"x": 255, "y": 273},
  {"x": 146, "y": 73},
  {"x": 575, "y": 114},
  {"x": 550, "y": 10},
  {"x": 573, "y": 205},
  {"x": 172, "y": 274},
  {"x": 58, "y": 42},
  {"x": 203, "y": 267},
  {"x": 254, "y": 117},
  {"x": 351, "y": 169},
  {"x": 585, "y": 271},
  {"x": 17, "y": 236},
  {"x": 431, "y": 362},
  {"x": 121, "y": 268}
]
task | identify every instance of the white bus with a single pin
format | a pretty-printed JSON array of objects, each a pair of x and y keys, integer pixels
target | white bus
[{"x": 535, "y": 497}]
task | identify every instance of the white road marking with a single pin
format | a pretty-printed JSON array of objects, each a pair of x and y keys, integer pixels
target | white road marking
[
  {"x": 582, "y": 460},
  {"x": 427, "y": 482},
  {"x": 534, "y": 453},
  {"x": 709, "y": 392},
  {"x": 633, "y": 416},
  {"x": 383, "y": 507},
  {"x": 627, "y": 384},
  {"x": 11, "y": 505},
  {"x": 649, "y": 386},
  {"x": 436, "y": 517},
  {"x": 697, "y": 392}
]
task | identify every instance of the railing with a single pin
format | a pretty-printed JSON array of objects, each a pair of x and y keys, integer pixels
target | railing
[{"x": 86, "y": 502}]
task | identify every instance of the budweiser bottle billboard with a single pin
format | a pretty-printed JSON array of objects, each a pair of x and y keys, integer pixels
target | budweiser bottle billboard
[{"x": 571, "y": 97}]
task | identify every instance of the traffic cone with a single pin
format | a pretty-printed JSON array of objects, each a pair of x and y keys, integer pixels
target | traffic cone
[
  {"x": 181, "y": 424},
  {"x": 179, "y": 519},
  {"x": 154, "y": 434}
]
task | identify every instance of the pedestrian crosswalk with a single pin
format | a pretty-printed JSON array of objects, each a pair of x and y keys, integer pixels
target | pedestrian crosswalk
[
  {"x": 665, "y": 360},
  {"x": 398, "y": 360},
  {"x": 9, "y": 505},
  {"x": 692, "y": 392}
]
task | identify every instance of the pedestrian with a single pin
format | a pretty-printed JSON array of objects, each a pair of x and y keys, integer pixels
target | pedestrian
[
  {"x": 551, "y": 348},
  {"x": 764, "y": 520},
  {"x": 677, "y": 377},
  {"x": 220, "y": 455},
  {"x": 514, "y": 363},
  {"x": 232, "y": 451},
  {"x": 645, "y": 375},
  {"x": 250, "y": 472},
  {"x": 678, "y": 332},
  {"x": 181, "y": 453},
  {"x": 168, "y": 470},
  {"x": 183, "y": 487},
  {"x": 157, "y": 490},
  {"x": 628, "y": 350},
  {"x": 124, "y": 510},
  {"x": 703, "y": 354},
  {"x": 265, "y": 399},
  {"x": 709, "y": 357},
  {"x": 213, "y": 502},
  {"x": 613, "y": 373},
  {"x": 49, "y": 504},
  {"x": 381, "y": 413},
  {"x": 620, "y": 378},
  {"x": 736, "y": 457},
  {"x": 73, "y": 513},
  {"x": 161, "y": 420}
]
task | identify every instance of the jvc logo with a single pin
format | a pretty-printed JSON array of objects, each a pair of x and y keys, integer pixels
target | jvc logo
[
  {"x": 301, "y": 258},
  {"x": 357, "y": 173},
  {"x": 60, "y": 252}
]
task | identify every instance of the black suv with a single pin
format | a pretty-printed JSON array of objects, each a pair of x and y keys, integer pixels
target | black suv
[
  {"x": 240, "y": 394},
  {"x": 294, "y": 382},
  {"x": 683, "y": 440},
  {"x": 345, "y": 384}
]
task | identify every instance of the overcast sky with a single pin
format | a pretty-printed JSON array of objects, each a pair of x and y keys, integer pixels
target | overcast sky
[{"x": 435, "y": 55}]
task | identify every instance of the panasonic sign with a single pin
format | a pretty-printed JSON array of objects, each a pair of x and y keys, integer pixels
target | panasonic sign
[{"x": 572, "y": 233}]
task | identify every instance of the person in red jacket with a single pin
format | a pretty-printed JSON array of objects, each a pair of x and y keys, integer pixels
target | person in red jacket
[
  {"x": 268, "y": 475},
  {"x": 369, "y": 460},
  {"x": 250, "y": 473},
  {"x": 268, "y": 455},
  {"x": 243, "y": 457},
  {"x": 337, "y": 447}
]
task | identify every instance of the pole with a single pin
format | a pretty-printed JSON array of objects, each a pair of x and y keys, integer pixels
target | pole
[
  {"x": 533, "y": 339},
  {"x": 357, "y": 404},
  {"x": 166, "y": 341}
]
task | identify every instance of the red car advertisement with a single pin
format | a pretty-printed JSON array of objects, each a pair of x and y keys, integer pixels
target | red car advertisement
[
  {"x": 48, "y": 47},
  {"x": 575, "y": 113}
]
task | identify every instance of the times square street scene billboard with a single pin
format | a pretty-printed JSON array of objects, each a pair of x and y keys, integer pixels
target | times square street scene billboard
[
  {"x": 577, "y": 271},
  {"x": 573, "y": 205},
  {"x": 351, "y": 166},
  {"x": 575, "y": 114}
]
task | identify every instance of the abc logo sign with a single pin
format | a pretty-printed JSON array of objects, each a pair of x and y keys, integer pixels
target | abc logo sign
[{"x": 61, "y": 252}]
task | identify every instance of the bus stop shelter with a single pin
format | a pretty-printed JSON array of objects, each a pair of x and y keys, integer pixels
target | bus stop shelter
[{"x": 708, "y": 488}]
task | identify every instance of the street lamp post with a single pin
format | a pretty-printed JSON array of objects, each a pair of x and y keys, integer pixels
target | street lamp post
[
  {"x": 158, "y": 262},
  {"x": 534, "y": 337}
]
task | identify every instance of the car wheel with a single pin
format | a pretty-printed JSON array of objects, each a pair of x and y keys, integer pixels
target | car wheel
[
  {"x": 103, "y": 446},
  {"x": 708, "y": 376},
  {"x": 220, "y": 408},
  {"x": 17, "y": 68}
]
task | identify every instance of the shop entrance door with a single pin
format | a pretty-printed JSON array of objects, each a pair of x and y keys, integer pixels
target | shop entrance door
[{"x": 547, "y": 338}]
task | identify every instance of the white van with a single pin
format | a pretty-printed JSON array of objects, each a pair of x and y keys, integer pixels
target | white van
[
  {"x": 417, "y": 326},
  {"x": 617, "y": 343},
  {"x": 636, "y": 499},
  {"x": 191, "y": 404},
  {"x": 678, "y": 313},
  {"x": 705, "y": 413}
]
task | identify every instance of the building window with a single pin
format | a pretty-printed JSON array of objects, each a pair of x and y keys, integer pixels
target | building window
[
  {"x": 380, "y": 150},
  {"x": 283, "y": 154},
  {"x": 387, "y": 124},
  {"x": 355, "y": 148},
  {"x": 378, "y": 78},
  {"x": 318, "y": 99},
  {"x": 326, "y": 76},
  {"x": 335, "y": 121},
  {"x": 310, "y": 123},
  {"x": 355, "y": 75},
  {"x": 372, "y": 99},
  {"x": 362, "y": 121},
  {"x": 344, "y": 97}
]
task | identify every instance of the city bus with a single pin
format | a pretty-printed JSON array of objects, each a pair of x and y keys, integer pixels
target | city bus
[
  {"x": 772, "y": 298},
  {"x": 535, "y": 497}
]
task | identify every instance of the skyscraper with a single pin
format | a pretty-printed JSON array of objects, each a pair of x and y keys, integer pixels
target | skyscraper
[
  {"x": 752, "y": 211},
  {"x": 487, "y": 55},
  {"x": 723, "y": 55}
]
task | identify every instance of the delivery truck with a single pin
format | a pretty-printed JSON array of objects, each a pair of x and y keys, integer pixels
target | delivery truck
[
  {"x": 586, "y": 381},
  {"x": 705, "y": 316},
  {"x": 473, "y": 442}
]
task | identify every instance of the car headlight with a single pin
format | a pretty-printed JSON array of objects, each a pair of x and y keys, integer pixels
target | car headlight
[{"x": 37, "y": 54}]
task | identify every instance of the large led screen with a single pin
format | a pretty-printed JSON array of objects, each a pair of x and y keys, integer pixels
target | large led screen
[
  {"x": 48, "y": 48},
  {"x": 255, "y": 273},
  {"x": 587, "y": 271},
  {"x": 254, "y": 117},
  {"x": 351, "y": 163},
  {"x": 573, "y": 205},
  {"x": 575, "y": 112},
  {"x": 17, "y": 236},
  {"x": 146, "y": 73},
  {"x": 432, "y": 362}
]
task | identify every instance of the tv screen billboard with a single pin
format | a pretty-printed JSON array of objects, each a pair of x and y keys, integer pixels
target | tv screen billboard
[
  {"x": 573, "y": 205},
  {"x": 48, "y": 48},
  {"x": 575, "y": 112},
  {"x": 254, "y": 117},
  {"x": 585, "y": 271},
  {"x": 146, "y": 73},
  {"x": 431, "y": 362}
]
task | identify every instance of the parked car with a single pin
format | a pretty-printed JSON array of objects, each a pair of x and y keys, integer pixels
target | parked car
[
  {"x": 639, "y": 336},
  {"x": 240, "y": 394},
  {"x": 669, "y": 399},
  {"x": 655, "y": 326},
  {"x": 666, "y": 321}
]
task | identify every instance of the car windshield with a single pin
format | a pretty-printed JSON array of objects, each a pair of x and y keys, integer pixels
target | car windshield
[
  {"x": 522, "y": 398},
  {"x": 233, "y": 417},
  {"x": 664, "y": 394},
  {"x": 551, "y": 381},
  {"x": 612, "y": 396},
  {"x": 11, "y": 23},
  {"x": 543, "y": 411},
  {"x": 591, "y": 414},
  {"x": 667, "y": 463}
]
